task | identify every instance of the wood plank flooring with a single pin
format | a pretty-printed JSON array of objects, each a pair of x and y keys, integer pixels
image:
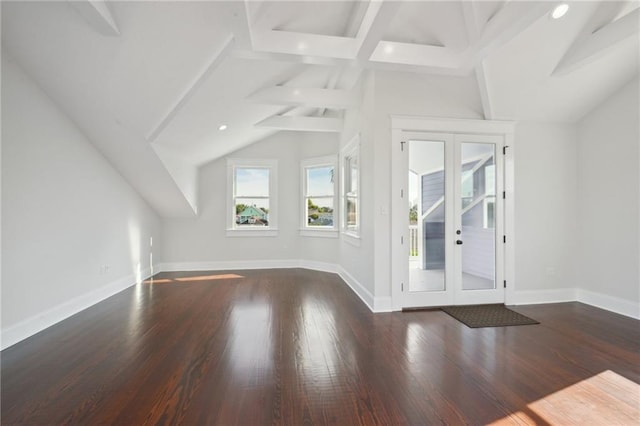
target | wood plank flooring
[{"x": 298, "y": 347}]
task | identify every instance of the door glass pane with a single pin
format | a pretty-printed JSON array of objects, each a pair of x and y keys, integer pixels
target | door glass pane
[
  {"x": 478, "y": 193},
  {"x": 426, "y": 192}
]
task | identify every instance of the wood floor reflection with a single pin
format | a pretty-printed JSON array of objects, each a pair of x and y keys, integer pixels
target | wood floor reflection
[{"x": 298, "y": 347}]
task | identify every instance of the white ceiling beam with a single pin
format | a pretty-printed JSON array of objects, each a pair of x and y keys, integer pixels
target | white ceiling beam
[
  {"x": 303, "y": 124},
  {"x": 586, "y": 50},
  {"x": 307, "y": 97},
  {"x": 98, "y": 15},
  {"x": 483, "y": 89},
  {"x": 311, "y": 97},
  {"x": 474, "y": 29},
  {"x": 416, "y": 54},
  {"x": 331, "y": 84},
  {"x": 374, "y": 23},
  {"x": 242, "y": 28},
  {"x": 288, "y": 57},
  {"x": 358, "y": 10},
  {"x": 511, "y": 20},
  {"x": 305, "y": 44},
  {"x": 192, "y": 88},
  {"x": 316, "y": 60},
  {"x": 604, "y": 14},
  {"x": 419, "y": 69}
]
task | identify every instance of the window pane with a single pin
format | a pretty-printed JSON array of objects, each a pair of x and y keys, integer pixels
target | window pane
[
  {"x": 478, "y": 254},
  {"x": 352, "y": 209},
  {"x": 252, "y": 211},
  {"x": 252, "y": 182},
  {"x": 320, "y": 181},
  {"x": 353, "y": 172},
  {"x": 427, "y": 216},
  {"x": 320, "y": 212}
]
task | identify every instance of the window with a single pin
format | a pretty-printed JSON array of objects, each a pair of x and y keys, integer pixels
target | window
[
  {"x": 252, "y": 197},
  {"x": 350, "y": 188},
  {"x": 319, "y": 195}
]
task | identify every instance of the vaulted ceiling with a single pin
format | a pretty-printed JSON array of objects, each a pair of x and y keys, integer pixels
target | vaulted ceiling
[{"x": 150, "y": 83}]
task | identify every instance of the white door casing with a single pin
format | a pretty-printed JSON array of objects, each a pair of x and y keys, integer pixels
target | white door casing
[{"x": 455, "y": 134}]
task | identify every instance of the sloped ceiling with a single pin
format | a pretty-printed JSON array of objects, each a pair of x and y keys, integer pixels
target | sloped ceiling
[{"x": 150, "y": 83}]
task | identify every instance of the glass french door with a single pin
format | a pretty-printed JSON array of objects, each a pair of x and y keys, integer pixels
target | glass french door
[{"x": 454, "y": 234}]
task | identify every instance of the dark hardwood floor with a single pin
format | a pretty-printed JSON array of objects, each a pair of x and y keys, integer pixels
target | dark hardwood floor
[{"x": 298, "y": 347}]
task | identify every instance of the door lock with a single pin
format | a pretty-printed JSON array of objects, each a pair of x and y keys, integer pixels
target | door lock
[{"x": 459, "y": 242}]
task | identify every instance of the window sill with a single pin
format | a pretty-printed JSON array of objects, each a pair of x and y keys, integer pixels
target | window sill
[
  {"x": 256, "y": 232},
  {"x": 351, "y": 238},
  {"x": 320, "y": 233}
]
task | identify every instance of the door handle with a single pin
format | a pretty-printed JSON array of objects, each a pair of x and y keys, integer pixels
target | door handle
[{"x": 459, "y": 242}]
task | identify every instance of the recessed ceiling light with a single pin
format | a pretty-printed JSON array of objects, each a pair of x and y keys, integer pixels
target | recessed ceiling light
[
  {"x": 559, "y": 11},
  {"x": 222, "y": 127}
]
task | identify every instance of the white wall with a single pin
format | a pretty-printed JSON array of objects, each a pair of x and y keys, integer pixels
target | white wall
[
  {"x": 608, "y": 198},
  {"x": 356, "y": 255},
  {"x": 546, "y": 188},
  {"x": 545, "y": 181},
  {"x": 414, "y": 95},
  {"x": 202, "y": 242},
  {"x": 65, "y": 213}
]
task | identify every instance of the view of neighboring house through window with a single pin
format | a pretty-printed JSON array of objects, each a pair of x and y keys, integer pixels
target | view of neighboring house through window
[
  {"x": 252, "y": 195},
  {"x": 319, "y": 193}
]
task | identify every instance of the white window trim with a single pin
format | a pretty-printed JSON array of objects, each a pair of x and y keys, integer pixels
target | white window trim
[
  {"x": 309, "y": 231},
  {"x": 351, "y": 235},
  {"x": 267, "y": 231}
]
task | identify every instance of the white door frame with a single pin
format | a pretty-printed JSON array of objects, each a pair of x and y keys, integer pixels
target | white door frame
[{"x": 400, "y": 126}]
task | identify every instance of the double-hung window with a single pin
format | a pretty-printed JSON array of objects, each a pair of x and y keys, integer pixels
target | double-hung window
[
  {"x": 319, "y": 201},
  {"x": 252, "y": 186},
  {"x": 351, "y": 188}
]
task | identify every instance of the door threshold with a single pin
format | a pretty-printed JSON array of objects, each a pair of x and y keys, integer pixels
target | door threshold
[
  {"x": 437, "y": 308},
  {"x": 422, "y": 308}
]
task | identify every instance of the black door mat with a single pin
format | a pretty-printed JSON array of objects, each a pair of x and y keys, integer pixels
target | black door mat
[{"x": 476, "y": 316}]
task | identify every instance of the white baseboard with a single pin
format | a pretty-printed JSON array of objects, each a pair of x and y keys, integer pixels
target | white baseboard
[
  {"x": 228, "y": 265},
  {"x": 35, "y": 324},
  {"x": 231, "y": 265},
  {"x": 533, "y": 297},
  {"x": 603, "y": 301},
  {"x": 375, "y": 304},
  {"x": 364, "y": 294},
  {"x": 614, "y": 304},
  {"x": 319, "y": 266}
]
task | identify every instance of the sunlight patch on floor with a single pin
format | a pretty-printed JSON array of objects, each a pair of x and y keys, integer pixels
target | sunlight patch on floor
[
  {"x": 606, "y": 398},
  {"x": 209, "y": 277},
  {"x": 196, "y": 278},
  {"x": 157, "y": 281}
]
